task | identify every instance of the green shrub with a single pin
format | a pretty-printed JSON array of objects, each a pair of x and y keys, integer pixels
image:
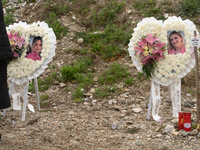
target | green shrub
[
  {"x": 9, "y": 19},
  {"x": 58, "y": 28},
  {"x": 114, "y": 74},
  {"x": 69, "y": 72},
  {"x": 44, "y": 97},
  {"x": 43, "y": 85},
  {"x": 78, "y": 100},
  {"x": 49, "y": 80},
  {"x": 78, "y": 93},
  {"x": 84, "y": 79},
  {"x": 129, "y": 81},
  {"x": 189, "y": 7},
  {"x": 105, "y": 16},
  {"x": 109, "y": 44},
  {"x": 105, "y": 91},
  {"x": 148, "y": 8},
  {"x": 59, "y": 8},
  {"x": 4, "y": 2}
]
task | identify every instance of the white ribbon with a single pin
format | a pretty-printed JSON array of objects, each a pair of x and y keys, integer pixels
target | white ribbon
[
  {"x": 174, "y": 91},
  {"x": 18, "y": 91},
  {"x": 16, "y": 101},
  {"x": 175, "y": 97},
  {"x": 155, "y": 92}
]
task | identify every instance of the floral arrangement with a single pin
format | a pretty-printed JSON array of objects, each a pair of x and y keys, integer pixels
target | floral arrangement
[
  {"x": 172, "y": 66},
  {"x": 150, "y": 50},
  {"x": 23, "y": 67},
  {"x": 16, "y": 43}
]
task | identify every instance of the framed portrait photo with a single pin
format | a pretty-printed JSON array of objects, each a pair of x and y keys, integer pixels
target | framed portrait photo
[{"x": 34, "y": 48}]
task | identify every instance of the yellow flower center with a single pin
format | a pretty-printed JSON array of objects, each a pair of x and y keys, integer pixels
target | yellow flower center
[
  {"x": 12, "y": 42},
  {"x": 145, "y": 48}
]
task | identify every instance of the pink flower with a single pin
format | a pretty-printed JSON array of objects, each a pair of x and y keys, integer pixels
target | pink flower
[
  {"x": 151, "y": 39},
  {"x": 19, "y": 41},
  {"x": 150, "y": 49},
  {"x": 11, "y": 36}
]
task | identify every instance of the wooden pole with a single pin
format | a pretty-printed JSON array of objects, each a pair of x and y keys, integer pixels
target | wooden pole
[{"x": 197, "y": 80}]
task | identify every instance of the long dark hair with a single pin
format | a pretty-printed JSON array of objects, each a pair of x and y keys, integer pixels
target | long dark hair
[
  {"x": 170, "y": 46},
  {"x": 35, "y": 39}
]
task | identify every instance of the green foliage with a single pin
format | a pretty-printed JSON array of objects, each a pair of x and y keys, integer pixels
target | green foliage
[
  {"x": 44, "y": 104},
  {"x": 53, "y": 66},
  {"x": 84, "y": 79},
  {"x": 4, "y": 2},
  {"x": 43, "y": 85},
  {"x": 133, "y": 130},
  {"x": 78, "y": 94},
  {"x": 68, "y": 72},
  {"x": 30, "y": 1},
  {"x": 166, "y": 2},
  {"x": 57, "y": 8},
  {"x": 49, "y": 80},
  {"x": 148, "y": 8},
  {"x": 141, "y": 5},
  {"x": 154, "y": 124},
  {"x": 194, "y": 126},
  {"x": 9, "y": 19},
  {"x": 68, "y": 88},
  {"x": 114, "y": 74},
  {"x": 109, "y": 44},
  {"x": 78, "y": 100},
  {"x": 58, "y": 28},
  {"x": 44, "y": 97},
  {"x": 56, "y": 76},
  {"x": 19, "y": 1},
  {"x": 189, "y": 7},
  {"x": 53, "y": 10},
  {"x": 10, "y": 10},
  {"x": 191, "y": 91},
  {"x": 149, "y": 69},
  {"x": 72, "y": 72},
  {"x": 105, "y": 91},
  {"x": 69, "y": 128},
  {"x": 106, "y": 15},
  {"x": 129, "y": 81},
  {"x": 81, "y": 8}
]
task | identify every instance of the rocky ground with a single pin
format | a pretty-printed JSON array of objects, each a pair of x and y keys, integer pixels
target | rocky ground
[{"x": 117, "y": 122}]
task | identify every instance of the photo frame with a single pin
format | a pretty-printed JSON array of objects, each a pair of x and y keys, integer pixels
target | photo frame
[
  {"x": 173, "y": 66},
  {"x": 34, "y": 48}
]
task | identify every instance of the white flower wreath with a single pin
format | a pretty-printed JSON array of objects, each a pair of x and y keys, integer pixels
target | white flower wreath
[
  {"x": 173, "y": 66},
  {"x": 24, "y": 67}
]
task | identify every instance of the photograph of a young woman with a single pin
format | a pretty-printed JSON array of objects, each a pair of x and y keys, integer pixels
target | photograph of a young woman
[
  {"x": 34, "y": 50},
  {"x": 176, "y": 43}
]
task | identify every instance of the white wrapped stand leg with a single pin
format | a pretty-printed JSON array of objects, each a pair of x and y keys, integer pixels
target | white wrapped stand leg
[
  {"x": 4, "y": 112},
  {"x": 175, "y": 97},
  {"x": 149, "y": 106},
  {"x": 36, "y": 93},
  {"x": 25, "y": 101},
  {"x": 155, "y": 91}
]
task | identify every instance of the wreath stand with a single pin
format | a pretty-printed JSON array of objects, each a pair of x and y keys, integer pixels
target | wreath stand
[
  {"x": 174, "y": 92},
  {"x": 22, "y": 93},
  {"x": 197, "y": 83}
]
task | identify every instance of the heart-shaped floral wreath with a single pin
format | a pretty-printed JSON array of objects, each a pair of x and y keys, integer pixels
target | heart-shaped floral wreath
[
  {"x": 24, "y": 66},
  {"x": 148, "y": 49}
]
